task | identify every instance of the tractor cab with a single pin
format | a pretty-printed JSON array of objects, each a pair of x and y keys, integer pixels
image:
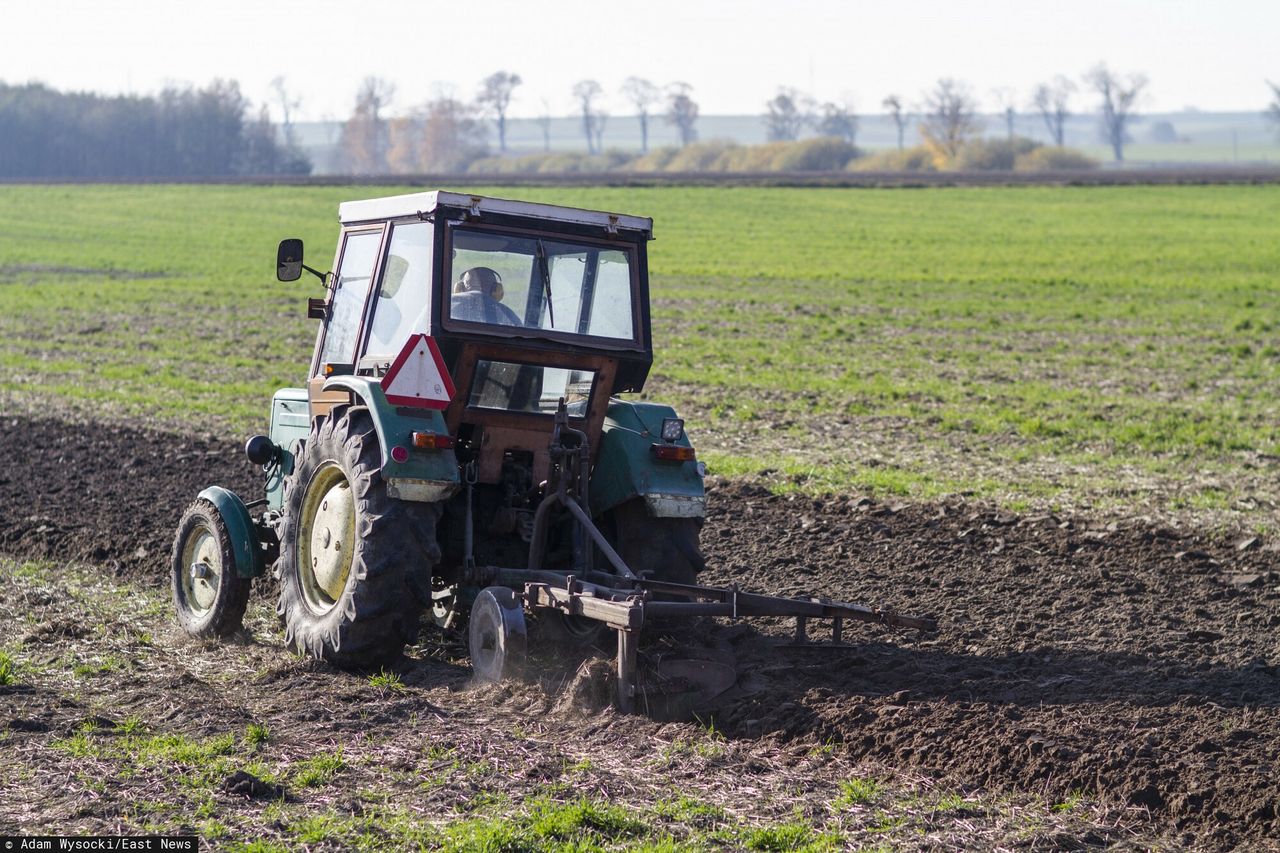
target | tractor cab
[{"x": 527, "y": 303}]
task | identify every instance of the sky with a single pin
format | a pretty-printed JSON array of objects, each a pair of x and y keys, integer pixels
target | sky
[{"x": 1206, "y": 55}]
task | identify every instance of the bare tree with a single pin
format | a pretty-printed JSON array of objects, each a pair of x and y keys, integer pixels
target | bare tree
[
  {"x": 364, "y": 135},
  {"x": 1050, "y": 100},
  {"x": 442, "y": 135},
  {"x": 1006, "y": 98},
  {"x": 950, "y": 118},
  {"x": 643, "y": 95},
  {"x": 682, "y": 111},
  {"x": 1273, "y": 108},
  {"x": 287, "y": 105},
  {"x": 544, "y": 122},
  {"x": 1119, "y": 98},
  {"x": 787, "y": 114},
  {"x": 893, "y": 105},
  {"x": 839, "y": 121},
  {"x": 586, "y": 92},
  {"x": 495, "y": 97}
]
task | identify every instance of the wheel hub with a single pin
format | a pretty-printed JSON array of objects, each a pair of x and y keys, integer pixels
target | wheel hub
[{"x": 201, "y": 581}]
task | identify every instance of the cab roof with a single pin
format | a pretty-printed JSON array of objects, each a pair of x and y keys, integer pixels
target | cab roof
[{"x": 413, "y": 204}]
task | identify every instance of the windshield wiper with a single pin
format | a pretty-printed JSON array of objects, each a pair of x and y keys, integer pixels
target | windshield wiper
[{"x": 546, "y": 281}]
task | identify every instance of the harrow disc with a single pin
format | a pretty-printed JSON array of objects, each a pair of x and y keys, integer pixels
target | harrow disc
[{"x": 498, "y": 636}]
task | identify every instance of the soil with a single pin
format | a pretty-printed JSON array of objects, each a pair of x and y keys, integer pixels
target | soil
[{"x": 1136, "y": 665}]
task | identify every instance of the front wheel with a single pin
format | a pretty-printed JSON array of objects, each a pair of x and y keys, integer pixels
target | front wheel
[
  {"x": 208, "y": 595},
  {"x": 354, "y": 563}
]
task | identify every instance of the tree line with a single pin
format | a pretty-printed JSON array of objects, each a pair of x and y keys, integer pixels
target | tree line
[
  {"x": 180, "y": 132},
  {"x": 947, "y": 114},
  {"x": 447, "y": 133}
]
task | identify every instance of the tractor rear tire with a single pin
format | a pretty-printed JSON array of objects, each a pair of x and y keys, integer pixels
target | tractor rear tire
[
  {"x": 355, "y": 564},
  {"x": 664, "y": 549},
  {"x": 211, "y": 604}
]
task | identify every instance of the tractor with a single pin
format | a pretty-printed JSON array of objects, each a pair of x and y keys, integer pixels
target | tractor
[{"x": 461, "y": 449}]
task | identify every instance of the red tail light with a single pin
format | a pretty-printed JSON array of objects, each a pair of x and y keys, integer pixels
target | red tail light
[{"x": 673, "y": 452}]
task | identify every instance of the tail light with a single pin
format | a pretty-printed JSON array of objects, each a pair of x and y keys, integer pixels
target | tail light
[
  {"x": 672, "y": 452},
  {"x": 432, "y": 441}
]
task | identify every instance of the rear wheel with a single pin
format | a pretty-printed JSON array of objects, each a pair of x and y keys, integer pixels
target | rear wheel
[
  {"x": 208, "y": 594},
  {"x": 664, "y": 549},
  {"x": 355, "y": 564}
]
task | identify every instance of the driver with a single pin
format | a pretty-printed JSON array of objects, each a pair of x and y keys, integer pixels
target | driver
[{"x": 477, "y": 298}]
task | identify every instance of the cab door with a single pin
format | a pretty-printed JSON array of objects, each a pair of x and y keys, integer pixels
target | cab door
[{"x": 336, "y": 344}]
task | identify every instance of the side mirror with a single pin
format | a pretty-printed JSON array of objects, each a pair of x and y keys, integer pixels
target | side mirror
[{"x": 289, "y": 260}]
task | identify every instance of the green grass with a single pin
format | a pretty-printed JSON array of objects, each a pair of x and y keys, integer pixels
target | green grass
[
  {"x": 387, "y": 681},
  {"x": 319, "y": 770},
  {"x": 8, "y": 669},
  {"x": 858, "y": 792},
  {"x": 1032, "y": 345}
]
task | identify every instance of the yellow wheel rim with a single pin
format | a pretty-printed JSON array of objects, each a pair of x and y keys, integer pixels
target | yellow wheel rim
[{"x": 326, "y": 537}]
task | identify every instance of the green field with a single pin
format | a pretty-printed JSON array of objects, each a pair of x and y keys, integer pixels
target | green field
[{"x": 1079, "y": 348}]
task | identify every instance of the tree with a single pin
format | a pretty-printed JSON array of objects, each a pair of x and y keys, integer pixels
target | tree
[
  {"x": 181, "y": 132},
  {"x": 787, "y": 114},
  {"x": 839, "y": 121},
  {"x": 442, "y": 135},
  {"x": 1119, "y": 98},
  {"x": 544, "y": 122},
  {"x": 682, "y": 111},
  {"x": 642, "y": 94},
  {"x": 1005, "y": 97},
  {"x": 287, "y": 104},
  {"x": 1050, "y": 100},
  {"x": 1273, "y": 109},
  {"x": 950, "y": 119},
  {"x": 495, "y": 97},
  {"x": 365, "y": 136},
  {"x": 893, "y": 105},
  {"x": 586, "y": 92}
]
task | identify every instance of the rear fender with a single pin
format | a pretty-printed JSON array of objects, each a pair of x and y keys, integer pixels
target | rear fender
[
  {"x": 245, "y": 544},
  {"x": 427, "y": 475},
  {"x": 626, "y": 467}
]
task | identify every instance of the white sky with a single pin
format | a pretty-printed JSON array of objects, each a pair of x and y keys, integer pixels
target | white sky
[{"x": 1210, "y": 55}]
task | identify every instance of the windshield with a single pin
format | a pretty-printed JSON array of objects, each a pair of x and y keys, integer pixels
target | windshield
[{"x": 541, "y": 283}]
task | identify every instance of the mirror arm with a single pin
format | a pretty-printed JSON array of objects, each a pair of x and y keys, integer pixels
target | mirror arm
[{"x": 323, "y": 276}]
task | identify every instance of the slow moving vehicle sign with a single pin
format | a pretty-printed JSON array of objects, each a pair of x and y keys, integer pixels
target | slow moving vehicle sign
[{"x": 418, "y": 376}]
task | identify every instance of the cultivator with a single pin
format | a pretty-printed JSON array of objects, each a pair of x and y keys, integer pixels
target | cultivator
[{"x": 621, "y": 600}]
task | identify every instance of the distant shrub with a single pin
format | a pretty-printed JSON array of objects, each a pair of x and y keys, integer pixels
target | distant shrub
[
  {"x": 1050, "y": 159},
  {"x": 918, "y": 159},
  {"x": 700, "y": 156},
  {"x": 654, "y": 161},
  {"x": 823, "y": 154},
  {"x": 992, "y": 155},
  {"x": 750, "y": 158},
  {"x": 551, "y": 163}
]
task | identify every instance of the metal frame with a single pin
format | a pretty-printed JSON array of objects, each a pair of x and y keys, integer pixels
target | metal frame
[{"x": 623, "y": 601}]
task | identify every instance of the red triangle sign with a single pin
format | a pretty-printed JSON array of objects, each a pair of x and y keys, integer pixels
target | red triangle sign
[{"x": 418, "y": 376}]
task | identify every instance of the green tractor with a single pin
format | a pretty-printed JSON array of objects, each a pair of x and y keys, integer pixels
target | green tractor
[{"x": 460, "y": 449}]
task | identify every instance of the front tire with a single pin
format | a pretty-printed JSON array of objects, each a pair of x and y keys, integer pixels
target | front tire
[
  {"x": 208, "y": 595},
  {"x": 355, "y": 565}
]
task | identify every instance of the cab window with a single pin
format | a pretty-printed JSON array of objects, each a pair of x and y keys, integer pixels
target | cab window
[
  {"x": 400, "y": 308},
  {"x": 350, "y": 286}
]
